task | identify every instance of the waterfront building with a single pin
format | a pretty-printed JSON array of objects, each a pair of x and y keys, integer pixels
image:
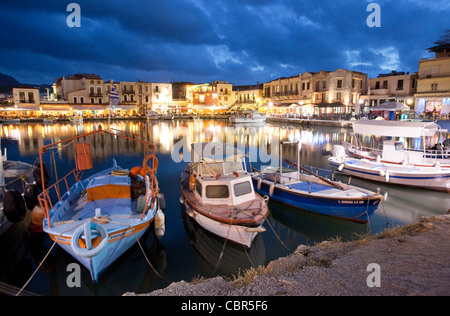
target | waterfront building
[
  {"x": 248, "y": 97},
  {"x": 26, "y": 102},
  {"x": 325, "y": 94},
  {"x": 433, "y": 87},
  {"x": 210, "y": 98},
  {"x": 390, "y": 87}
]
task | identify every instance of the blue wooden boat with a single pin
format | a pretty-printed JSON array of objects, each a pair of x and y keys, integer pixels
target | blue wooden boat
[
  {"x": 309, "y": 192},
  {"x": 99, "y": 218}
]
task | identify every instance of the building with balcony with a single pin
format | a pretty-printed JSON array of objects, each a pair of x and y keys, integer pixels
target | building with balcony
[
  {"x": 323, "y": 94},
  {"x": 394, "y": 86},
  {"x": 248, "y": 97},
  {"x": 433, "y": 87}
]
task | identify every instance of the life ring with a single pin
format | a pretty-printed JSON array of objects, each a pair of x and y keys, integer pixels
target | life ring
[
  {"x": 14, "y": 206},
  {"x": 88, "y": 253},
  {"x": 146, "y": 167}
]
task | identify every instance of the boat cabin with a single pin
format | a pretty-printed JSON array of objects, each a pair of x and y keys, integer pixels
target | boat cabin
[
  {"x": 222, "y": 181},
  {"x": 394, "y": 151}
]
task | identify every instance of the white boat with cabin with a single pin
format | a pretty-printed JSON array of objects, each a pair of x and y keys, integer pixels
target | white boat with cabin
[
  {"x": 249, "y": 117},
  {"x": 218, "y": 193},
  {"x": 394, "y": 151}
]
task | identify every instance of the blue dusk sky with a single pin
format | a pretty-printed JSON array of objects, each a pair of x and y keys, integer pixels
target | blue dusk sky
[{"x": 240, "y": 41}]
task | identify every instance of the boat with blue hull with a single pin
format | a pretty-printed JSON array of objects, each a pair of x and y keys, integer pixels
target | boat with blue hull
[
  {"x": 301, "y": 189},
  {"x": 99, "y": 218}
]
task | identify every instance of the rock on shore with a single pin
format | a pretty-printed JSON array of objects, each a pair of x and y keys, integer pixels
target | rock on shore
[{"x": 413, "y": 260}]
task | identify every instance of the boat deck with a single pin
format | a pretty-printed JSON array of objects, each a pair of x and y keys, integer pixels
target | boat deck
[{"x": 392, "y": 167}]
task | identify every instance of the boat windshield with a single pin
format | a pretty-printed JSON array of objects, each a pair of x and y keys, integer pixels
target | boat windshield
[{"x": 222, "y": 168}]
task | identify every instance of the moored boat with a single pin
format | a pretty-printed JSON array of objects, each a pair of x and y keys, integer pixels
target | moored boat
[
  {"x": 248, "y": 117},
  {"x": 98, "y": 218},
  {"x": 301, "y": 189},
  {"x": 218, "y": 193},
  {"x": 433, "y": 178},
  {"x": 393, "y": 149}
]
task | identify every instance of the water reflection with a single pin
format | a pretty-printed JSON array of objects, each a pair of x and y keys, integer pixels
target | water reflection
[{"x": 179, "y": 254}]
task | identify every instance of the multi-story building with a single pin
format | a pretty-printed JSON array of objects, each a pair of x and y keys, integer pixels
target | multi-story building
[
  {"x": 433, "y": 86},
  {"x": 26, "y": 99},
  {"x": 322, "y": 93},
  {"x": 215, "y": 97},
  {"x": 249, "y": 96},
  {"x": 394, "y": 86}
]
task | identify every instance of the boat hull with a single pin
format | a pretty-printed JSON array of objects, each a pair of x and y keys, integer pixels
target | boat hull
[
  {"x": 240, "y": 120},
  {"x": 432, "y": 180},
  {"x": 236, "y": 233},
  {"x": 358, "y": 209},
  {"x": 119, "y": 243}
]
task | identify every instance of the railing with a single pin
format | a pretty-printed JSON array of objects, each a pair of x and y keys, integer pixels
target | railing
[{"x": 45, "y": 198}]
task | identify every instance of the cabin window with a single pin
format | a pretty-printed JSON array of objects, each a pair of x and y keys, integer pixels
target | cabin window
[
  {"x": 242, "y": 188},
  {"x": 217, "y": 192}
]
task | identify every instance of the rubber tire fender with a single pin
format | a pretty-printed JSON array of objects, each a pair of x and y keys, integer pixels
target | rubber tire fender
[{"x": 14, "y": 206}]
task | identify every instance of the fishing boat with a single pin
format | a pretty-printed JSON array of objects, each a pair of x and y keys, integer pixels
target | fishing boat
[
  {"x": 393, "y": 149},
  {"x": 433, "y": 178},
  {"x": 167, "y": 116},
  {"x": 248, "y": 117},
  {"x": 218, "y": 194},
  {"x": 18, "y": 192},
  {"x": 300, "y": 188},
  {"x": 98, "y": 218}
]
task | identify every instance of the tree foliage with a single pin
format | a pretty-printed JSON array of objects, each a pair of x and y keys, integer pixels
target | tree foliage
[{"x": 442, "y": 44}]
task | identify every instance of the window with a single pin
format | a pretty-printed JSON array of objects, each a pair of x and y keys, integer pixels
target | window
[
  {"x": 30, "y": 97},
  {"x": 338, "y": 96},
  {"x": 434, "y": 87},
  {"x": 377, "y": 85},
  {"x": 217, "y": 192},
  {"x": 339, "y": 83},
  {"x": 81, "y": 99},
  {"x": 92, "y": 100},
  {"x": 74, "y": 99},
  {"x": 308, "y": 86},
  {"x": 400, "y": 84},
  {"x": 242, "y": 188},
  {"x": 22, "y": 97},
  {"x": 385, "y": 84}
]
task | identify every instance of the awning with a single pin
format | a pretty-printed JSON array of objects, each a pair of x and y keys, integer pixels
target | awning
[
  {"x": 88, "y": 107},
  {"x": 57, "y": 108},
  {"x": 124, "y": 107},
  {"x": 25, "y": 107},
  {"x": 396, "y": 128},
  {"x": 331, "y": 105},
  {"x": 391, "y": 106}
]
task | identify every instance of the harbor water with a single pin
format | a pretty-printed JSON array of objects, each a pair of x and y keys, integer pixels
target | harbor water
[{"x": 186, "y": 251}]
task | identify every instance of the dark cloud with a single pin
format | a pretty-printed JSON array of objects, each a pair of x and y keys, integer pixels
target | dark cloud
[{"x": 242, "y": 41}]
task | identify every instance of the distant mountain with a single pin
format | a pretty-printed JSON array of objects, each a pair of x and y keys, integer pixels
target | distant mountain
[
  {"x": 6, "y": 80},
  {"x": 7, "y": 83}
]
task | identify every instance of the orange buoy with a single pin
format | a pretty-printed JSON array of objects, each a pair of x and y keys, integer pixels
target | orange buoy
[{"x": 135, "y": 171}]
